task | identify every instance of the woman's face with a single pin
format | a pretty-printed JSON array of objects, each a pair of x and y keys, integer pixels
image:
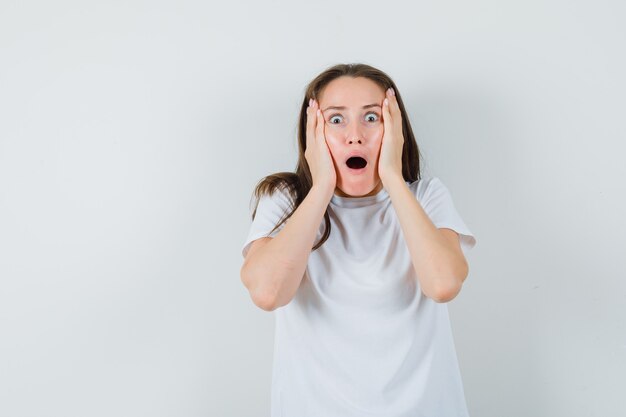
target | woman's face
[{"x": 352, "y": 109}]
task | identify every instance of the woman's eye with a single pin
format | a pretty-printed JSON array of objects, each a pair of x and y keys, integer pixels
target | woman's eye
[
  {"x": 335, "y": 117},
  {"x": 372, "y": 117}
]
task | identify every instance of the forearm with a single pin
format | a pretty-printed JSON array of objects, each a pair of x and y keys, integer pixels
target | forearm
[
  {"x": 438, "y": 267},
  {"x": 277, "y": 267}
]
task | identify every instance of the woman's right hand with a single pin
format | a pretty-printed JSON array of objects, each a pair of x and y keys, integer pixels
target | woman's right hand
[{"x": 317, "y": 153}]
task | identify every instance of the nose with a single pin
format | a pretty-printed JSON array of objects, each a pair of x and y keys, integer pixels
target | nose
[{"x": 353, "y": 134}]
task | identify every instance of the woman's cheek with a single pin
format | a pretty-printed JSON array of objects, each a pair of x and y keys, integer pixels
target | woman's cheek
[{"x": 377, "y": 138}]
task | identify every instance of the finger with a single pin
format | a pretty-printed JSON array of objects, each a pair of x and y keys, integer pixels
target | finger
[
  {"x": 311, "y": 121},
  {"x": 319, "y": 134},
  {"x": 394, "y": 108},
  {"x": 387, "y": 118}
]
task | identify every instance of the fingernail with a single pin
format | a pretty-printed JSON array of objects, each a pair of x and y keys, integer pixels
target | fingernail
[
  {"x": 393, "y": 93},
  {"x": 310, "y": 100},
  {"x": 319, "y": 112}
]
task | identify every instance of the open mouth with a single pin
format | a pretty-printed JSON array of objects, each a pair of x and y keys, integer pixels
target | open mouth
[{"x": 356, "y": 162}]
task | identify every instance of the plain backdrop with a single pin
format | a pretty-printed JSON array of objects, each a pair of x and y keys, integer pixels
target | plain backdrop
[{"x": 132, "y": 134}]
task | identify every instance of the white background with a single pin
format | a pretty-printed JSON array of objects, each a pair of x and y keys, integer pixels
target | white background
[{"x": 132, "y": 134}]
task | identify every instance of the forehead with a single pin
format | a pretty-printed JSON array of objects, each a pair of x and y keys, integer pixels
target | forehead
[{"x": 346, "y": 91}]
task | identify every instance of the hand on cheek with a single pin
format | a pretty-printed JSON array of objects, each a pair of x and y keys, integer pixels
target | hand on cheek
[
  {"x": 317, "y": 153},
  {"x": 390, "y": 156}
]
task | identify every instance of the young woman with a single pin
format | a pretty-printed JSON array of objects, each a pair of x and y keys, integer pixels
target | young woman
[{"x": 357, "y": 255}]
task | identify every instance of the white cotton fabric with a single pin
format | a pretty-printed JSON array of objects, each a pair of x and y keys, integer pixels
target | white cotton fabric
[{"x": 359, "y": 338}]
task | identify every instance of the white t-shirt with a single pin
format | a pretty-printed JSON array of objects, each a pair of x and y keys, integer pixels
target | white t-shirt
[{"x": 359, "y": 338}]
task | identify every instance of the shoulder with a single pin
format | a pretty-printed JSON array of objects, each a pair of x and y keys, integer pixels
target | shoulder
[
  {"x": 277, "y": 197},
  {"x": 282, "y": 194},
  {"x": 427, "y": 187},
  {"x": 280, "y": 187}
]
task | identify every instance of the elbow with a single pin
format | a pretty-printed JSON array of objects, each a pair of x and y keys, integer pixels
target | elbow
[
  {"x": 445, "y": 285},
  {"x": 445, "y": 295},
  {"x": 452, "y": 288},
  {"x": 261, "y": 296},
  {"x": 264, "y": 301}
]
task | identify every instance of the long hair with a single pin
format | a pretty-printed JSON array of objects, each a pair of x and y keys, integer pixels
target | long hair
[{"x": 299, "y": 184}]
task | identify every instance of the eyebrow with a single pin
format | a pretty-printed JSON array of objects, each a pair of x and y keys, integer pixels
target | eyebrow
[{"x": 344, "y": 107}]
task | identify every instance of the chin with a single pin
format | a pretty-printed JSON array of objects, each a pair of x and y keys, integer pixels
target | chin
[{"x": 357, "y": 190}]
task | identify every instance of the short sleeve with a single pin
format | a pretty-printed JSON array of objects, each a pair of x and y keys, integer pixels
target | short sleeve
[
  {"x": 270, "y": 210},
  {"x": 437, "y": 203}
]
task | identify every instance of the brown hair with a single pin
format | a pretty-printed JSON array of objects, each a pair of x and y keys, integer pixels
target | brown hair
[{"x": 299, "y": 184}]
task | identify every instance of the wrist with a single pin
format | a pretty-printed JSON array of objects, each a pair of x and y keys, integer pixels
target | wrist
[
  {"x": 391, "y": 179},
  {"x": 322, "y": 191}
]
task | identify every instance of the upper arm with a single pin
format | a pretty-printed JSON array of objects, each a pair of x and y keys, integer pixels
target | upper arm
[
  {"x": 260, "y": 298},
  {"x": 254, "y": 246},
  {"x": 454, "y": 242},
  {"x": 268, "y": 221},
  {"x": 438, "y": 204},
  {"x": 452, "y": 238}
]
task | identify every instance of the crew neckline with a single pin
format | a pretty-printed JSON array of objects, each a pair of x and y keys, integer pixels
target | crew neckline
[{"x": 359, "y": 201}]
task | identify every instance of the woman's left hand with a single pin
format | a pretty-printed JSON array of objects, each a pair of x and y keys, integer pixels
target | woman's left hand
[{"x": 390, "y": 158}]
